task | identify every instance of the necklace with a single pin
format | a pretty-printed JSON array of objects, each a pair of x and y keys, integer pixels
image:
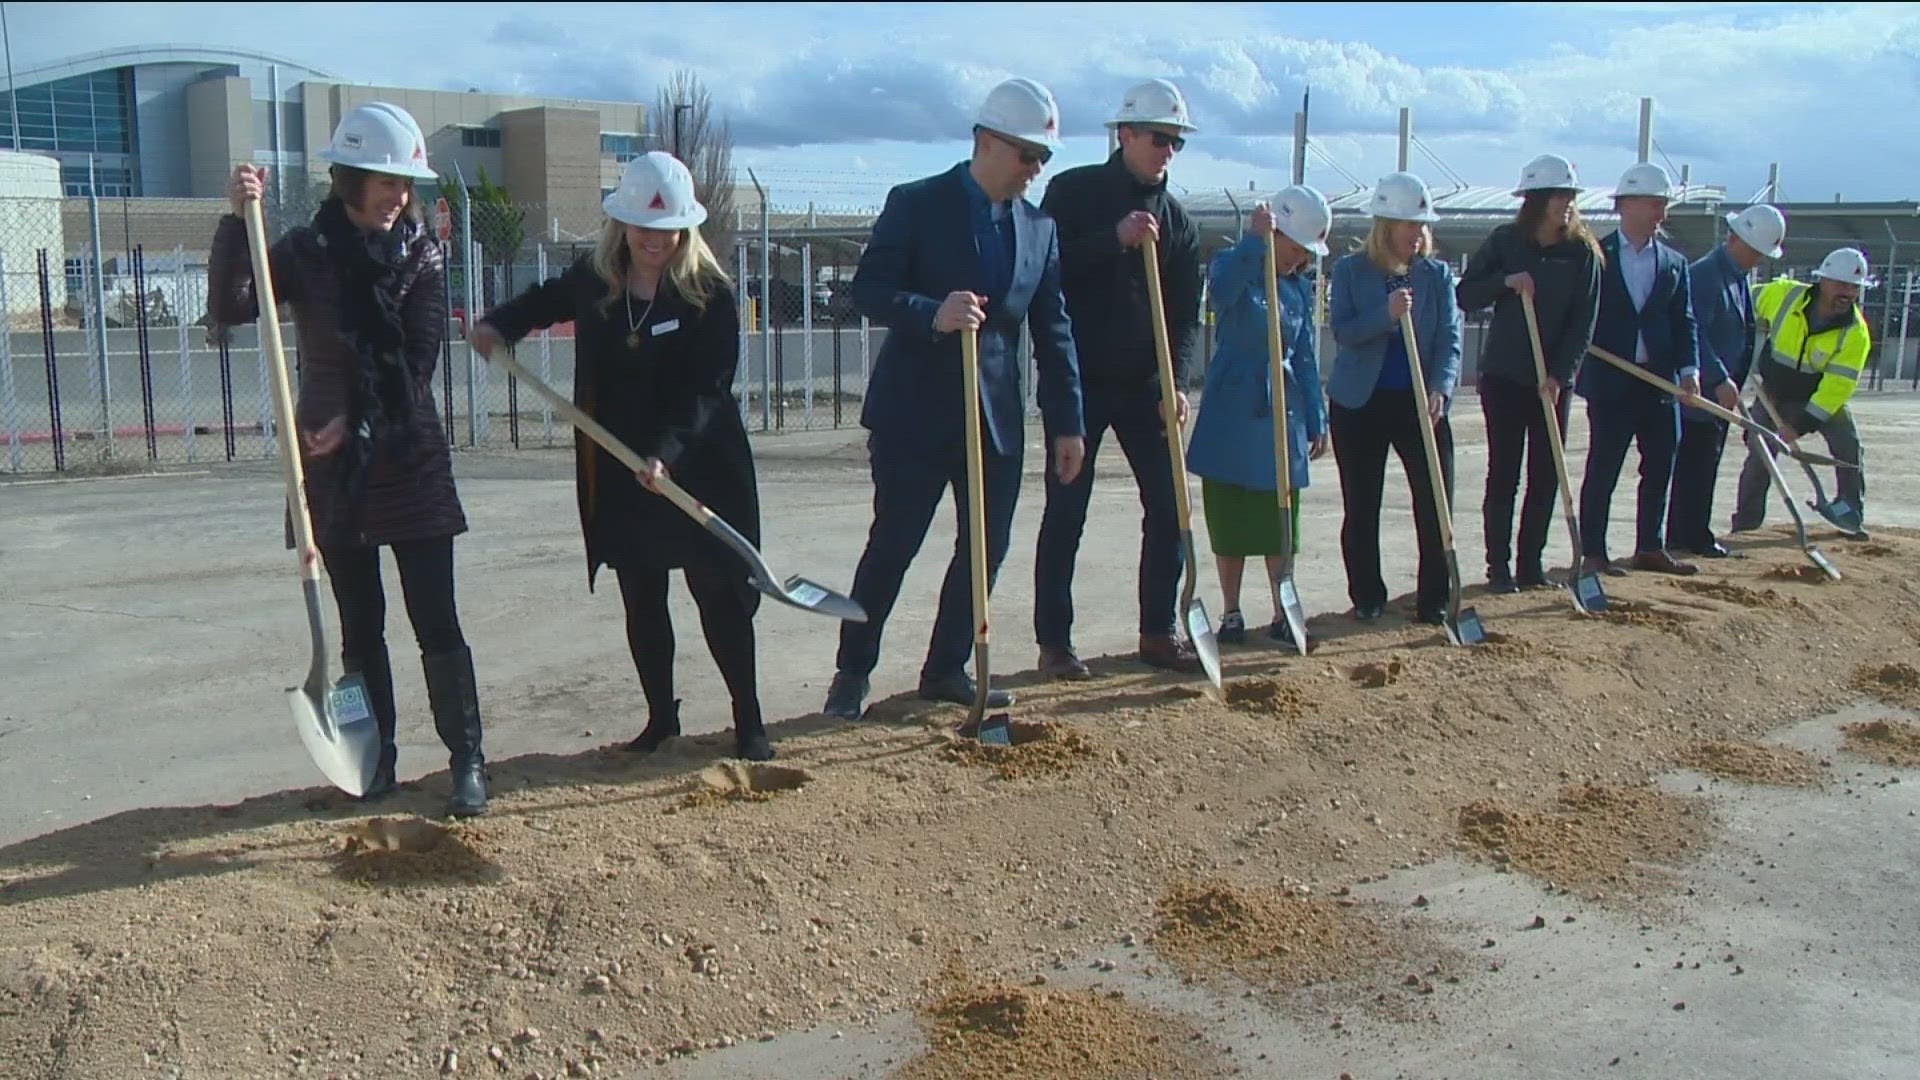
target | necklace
[{"x": 633, "y": 328}]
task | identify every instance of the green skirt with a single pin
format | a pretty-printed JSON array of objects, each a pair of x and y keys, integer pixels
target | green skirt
[{"x": 1245, "y": 523}]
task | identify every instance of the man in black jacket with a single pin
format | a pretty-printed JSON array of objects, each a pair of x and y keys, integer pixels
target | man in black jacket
[{"x": 1104, "y": 212}]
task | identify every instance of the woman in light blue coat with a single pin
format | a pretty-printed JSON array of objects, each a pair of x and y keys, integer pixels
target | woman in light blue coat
[
  {"x": 1371, "y": 389},
  {"x": 1231, "y": 449}
]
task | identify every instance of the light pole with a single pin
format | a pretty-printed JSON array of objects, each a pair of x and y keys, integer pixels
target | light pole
[
  {"x": 677, "y": 110},
  {"x": 13, "y": 92}
]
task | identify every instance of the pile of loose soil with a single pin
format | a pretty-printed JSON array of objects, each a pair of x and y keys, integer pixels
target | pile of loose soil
[
  {"x": 412, "y": 852},
  {"x": 1377, "y": 674},
  {"x": 1600, "y": 838},
  {"x": 1634, "y": 613},
  {"x": 1873, "y": 551},
  {"x": 1890, "y": 742},
  {"x": 997, "y": 1031},
  {"x": 739, "y": 781},
  {"x": 1896, "y": 683},
  {"x": 1806, "y": 575},
  {"x": 1736, "y": 594},
  {"x": 1508, "y": 647},
  {"x": 1281, "y": 699},
  {"x": 1266, "y": 935},
  {"x": 1752, "y": 762},
  {"x": 1039, "y": 748}
]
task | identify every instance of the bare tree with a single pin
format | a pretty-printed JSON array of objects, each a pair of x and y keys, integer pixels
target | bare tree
[{"x": 684, "y": 111}]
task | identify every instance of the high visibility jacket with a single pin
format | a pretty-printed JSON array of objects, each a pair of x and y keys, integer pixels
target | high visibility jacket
[{"x": 1819, "y": 371}]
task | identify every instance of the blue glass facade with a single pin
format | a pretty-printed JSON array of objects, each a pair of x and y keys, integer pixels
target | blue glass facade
[{"x": 84, "y": 114}]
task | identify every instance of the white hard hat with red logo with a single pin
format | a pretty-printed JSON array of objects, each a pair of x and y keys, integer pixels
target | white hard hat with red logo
[
  {"x": 655, "y": 192},
  {"x": 1402, "y": 196},
  {"x": 1021, "y": 109},
  {"x": 1303, "y": 215},
  {"x": 1762, "y": 227},
  {"x": 379, "y": 137},
  {"x": 1847, "y": 265},
  {"x": 1155, "y": 101}
]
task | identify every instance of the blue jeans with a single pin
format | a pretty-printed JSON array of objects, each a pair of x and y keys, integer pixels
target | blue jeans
[
  {"x": 1134, "y": 416},
  {"x": 908, "y": 483}
]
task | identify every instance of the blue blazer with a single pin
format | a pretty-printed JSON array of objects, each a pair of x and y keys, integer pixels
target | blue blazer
[
  {"x": 1232, "y": 439},
  {"x": 1673, "y": 343},
  {"x": 922, "y": 249},
  {"x": 1725, "y": 327},
  {"x": 1357, "y": 314}
]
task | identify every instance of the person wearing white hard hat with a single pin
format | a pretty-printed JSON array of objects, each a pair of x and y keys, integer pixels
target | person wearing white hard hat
[
  {"x": 1373, "y": 409},
  {"x": 960, "y": 250},
  {"x": 1815, "y": 349},
  {"x": 1646, "y": 318},
  {"x": 365, "y": 282},
  {"x": 656, "y": 340},
  {"x": 1104, "y": 212},
  {"x": 1232, "y": 445},
  {"x": 1723, "y": 308},
  {"x": 1546, "y": 252}
]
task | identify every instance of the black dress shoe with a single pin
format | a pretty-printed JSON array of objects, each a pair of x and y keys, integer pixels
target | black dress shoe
[
  {"x": 1531, "y": 576},
  {"x": 1500, "y": 581},
  {"x": 846, "y": 698},
  {"x": 1431, "y": 618},
  {"x": 1369, "y": 612},
  {"x": 1713, "y": 551},
  {"x": 959, "y": 690}
]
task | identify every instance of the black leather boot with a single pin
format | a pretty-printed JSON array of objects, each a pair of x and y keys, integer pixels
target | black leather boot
[
  {"x": 377, "y": 672},
  {"x": 662, "y": 724},
  {"x": 456, "y": 716},
  {"x": 749, "y": 734}
]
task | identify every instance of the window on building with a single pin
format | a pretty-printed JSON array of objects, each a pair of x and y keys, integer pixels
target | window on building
[
  {"x": 622, "y": 148},
  {"x": 480, "y": 137},
  {"x": 113, "y": 181},
  {"x": 88, "y": 114}
]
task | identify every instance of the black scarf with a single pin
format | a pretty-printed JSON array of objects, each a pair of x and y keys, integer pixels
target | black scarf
[{"x": 381, "y": 406}]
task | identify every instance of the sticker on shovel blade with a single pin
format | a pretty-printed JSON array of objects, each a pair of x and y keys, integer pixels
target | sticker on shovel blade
[
  {"x": 347, "y": 702},
  {"x": 1592, "y": 596},
  {"x": 995, "y": 732},
  {"x": 805, "y": 593}
]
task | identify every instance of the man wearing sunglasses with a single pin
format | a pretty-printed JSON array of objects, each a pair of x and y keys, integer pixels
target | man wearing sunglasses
[
  {"x": 960, "y": 250},
  {"x": 1104, "y": 212}
]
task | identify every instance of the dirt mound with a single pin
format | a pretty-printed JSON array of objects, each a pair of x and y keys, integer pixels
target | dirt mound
[
  {"x": 1889, "y": 741},
  {"x": 1039, "y": 748},
  {"x": 1007, "y": 1031},
  {"x": 1266, "y": 935},
  {"x": 1807, "y": 575},
  {"x": 1377, "y": 674},
  {"x": 739, "y": 781},
  {"x": 1599, "y": 838},
  {"x": 1895, "y": 683},
  {"x": 1752, "y": 762},
  {"x": 1638, "y": 614},
  {"x": 1279, "y": 698},
  {"x": 1873, "y": 551},
  {"x": 412, "y": 852},
  {"x": 1730, "y": 593},
  {"x": 1508, "y": 647}
]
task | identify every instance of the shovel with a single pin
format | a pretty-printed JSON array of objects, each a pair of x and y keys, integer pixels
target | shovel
[
  {"x": 992, "y": 730},
  {"x": 796, "y": 591},
  {"x": 1583, "y": 585},
  {"x": 1284, "y": 587},
  {"x": 1199, "y": 627},
  {"x": 1461, "y": 624},
  {"x": 1770, "y": 438},
  {"x": 336, "y": 724},
  {"x": 1814, "y": 554},
  {"x": 1839, "y": 513}
]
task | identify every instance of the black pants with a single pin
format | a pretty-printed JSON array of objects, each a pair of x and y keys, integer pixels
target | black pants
[
  {"x": 426, "y": 582},
  {"x": 727, "y": 607},
  {"x": 1361, "y": 438},
  {"x": 1516, "y": 430},
  {"x": 1696, "y": 470}
]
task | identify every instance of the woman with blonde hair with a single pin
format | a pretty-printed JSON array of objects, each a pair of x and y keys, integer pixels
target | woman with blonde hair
[
  {"x": 1370, "y": 390},
  {"x": 656, "y": 341},
  {"x": 1548, "y": 253}
]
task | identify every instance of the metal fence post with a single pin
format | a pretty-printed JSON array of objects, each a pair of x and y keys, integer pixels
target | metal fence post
[
  {"x": 10, "y": 403},
  {"x": 473, "y": 360},
  {"x": 766, "y": 309},
  {"x": 186, "y": 357},
  {"x": 97, "y": 292},
  {"x": 806, "y": 332},
  {"x": 740, "y": 376},
  {"x": 546, "y": 349},
  {"x": 54, "y": 423},
  {"x": 146, "y": 355}
]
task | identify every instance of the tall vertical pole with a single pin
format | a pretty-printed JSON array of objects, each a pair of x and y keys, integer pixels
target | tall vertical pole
[
  {"x": 806, "y": 330},
  {"x": 8, "y": 402},
  {"x": 13, "y": 99},
  {"x": 1646, "y": 129},
  {"x": 746, "y": 329},
  {"x": 181, "y": 322},
  {"x": 546, "y": 351},
  {"x": 466, "y": 277},
  {"x": 1406, "y": 139},
  {"x": 1773, "y": 182},
  {"x": 1300, "y": 148},
  {"x": 766, "y": 310},
  {"x": 99, "y": 291}
]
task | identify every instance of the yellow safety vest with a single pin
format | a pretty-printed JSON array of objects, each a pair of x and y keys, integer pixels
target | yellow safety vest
[{"x": 1837, "y": 356}]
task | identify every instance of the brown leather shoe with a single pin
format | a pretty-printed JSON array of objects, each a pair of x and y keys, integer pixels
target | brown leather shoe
[
  {"x": 1660, "y": 562},
  {"x": 1058, "y": 663},
  {"x": 1168, "y": 652}
]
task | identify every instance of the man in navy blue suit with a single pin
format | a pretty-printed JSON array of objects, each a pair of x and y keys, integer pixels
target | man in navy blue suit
[
  {"x": 1645, "y": 318},
  {"x": 960, "y": 249},
  {"x": 1723, "y": 308}
]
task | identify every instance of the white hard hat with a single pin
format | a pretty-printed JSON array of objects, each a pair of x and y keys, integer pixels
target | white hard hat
[
  {"x": 1548, "y": 172},
  {"x": 1762, "y": 227},
  {"x": 1302, "y": 213},
  {"x": 655, "y": 192},
  {"x": 1402, "y": 196},
  {"x": 1848, "y": 265},
  {"x": 1155, "y": 101},
  {"x": 1644, "y": 178},
  {"x": 1022, "y": 109},
  {"x": 382, "y": 138}
]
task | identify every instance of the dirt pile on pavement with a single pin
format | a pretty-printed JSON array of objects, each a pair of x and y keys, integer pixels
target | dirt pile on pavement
[
  {"x": 412, "y": 852},
  {"x": 605, "y": 934},
  {"x": 1266, "y": 935},
  {"x": 738, "y": 781},
  {"x": 1377, "y": 674},
  {"x": 1281, "y": 699},
  {"x": 993, "y": 1031},
  {"x": 1752, "y": 762},
  {"x": 1896, "y": 683},
  {"x": 1806, "y": 575},
  {"x": 1597, "y": 839},
  {"x": 1640, "y": 615},
  {"x": 1890, "y": 742},
  {"x": 1728, "y": 592}
]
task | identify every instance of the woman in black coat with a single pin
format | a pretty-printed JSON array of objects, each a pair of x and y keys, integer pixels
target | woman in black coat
[{"x": 655, "y": 346}]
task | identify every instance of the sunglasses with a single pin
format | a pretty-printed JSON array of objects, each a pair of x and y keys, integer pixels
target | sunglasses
[{"x": 1029, "y": 155}]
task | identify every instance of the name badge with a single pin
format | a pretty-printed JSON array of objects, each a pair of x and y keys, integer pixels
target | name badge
[{"x": 667, "y": 327}]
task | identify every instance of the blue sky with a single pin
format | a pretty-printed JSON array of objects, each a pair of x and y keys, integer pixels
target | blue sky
[{"x": 833, "y": 102}]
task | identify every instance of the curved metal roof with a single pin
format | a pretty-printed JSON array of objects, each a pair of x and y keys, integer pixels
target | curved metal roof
[{"x": 137, "y": 55}]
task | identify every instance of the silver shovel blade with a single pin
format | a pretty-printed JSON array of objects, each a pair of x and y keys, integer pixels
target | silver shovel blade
[
  {"x": 813, "y": 596},
  {"x": 1819, "y": 559},
  {"x": 339, "y": 732},
  {"x": 1200, "y": 632},
  {"x": 1463, "y": 628},
  {"x": 1841, "y": 515},
  {"x": 1588, "y": 595},
  {"x": 1295, "y": 613},
  {"x": 995, "y": 731}
]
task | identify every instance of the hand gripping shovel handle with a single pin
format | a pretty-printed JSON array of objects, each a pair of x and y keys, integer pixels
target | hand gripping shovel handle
[
  {"x": 1578, "y": 579},
  {"x": 1199, "y": 626},
  {"x": 983, "y": 729},
  {"x": 1285, "y": 586}
]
